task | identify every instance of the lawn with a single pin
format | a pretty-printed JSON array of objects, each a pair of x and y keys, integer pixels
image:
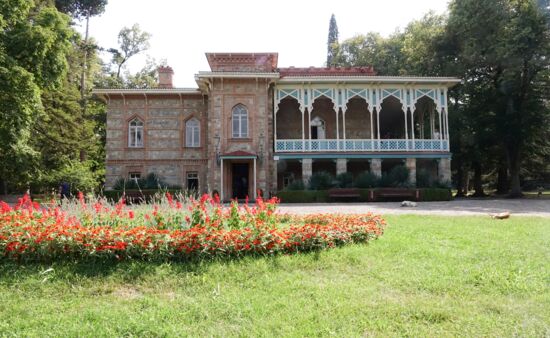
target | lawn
[{"x": 426, "y": 276}]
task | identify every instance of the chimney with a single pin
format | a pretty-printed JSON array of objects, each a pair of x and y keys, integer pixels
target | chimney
[{"x": 165, "y": 77}]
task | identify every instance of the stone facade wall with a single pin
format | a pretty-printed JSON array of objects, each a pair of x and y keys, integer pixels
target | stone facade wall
[
  {"x": 256, "y": 96},
  {"x": 164, "y": 151}
]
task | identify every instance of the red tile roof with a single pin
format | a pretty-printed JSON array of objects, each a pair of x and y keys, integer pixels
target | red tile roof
[{"x": 327, "y": 71}]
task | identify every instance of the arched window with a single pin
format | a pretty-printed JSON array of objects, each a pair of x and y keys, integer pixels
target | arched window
[
  {"x": 240, "y": 121},
  {"x": 135, "y": 133},
  {"x": 192, "y": 133}
]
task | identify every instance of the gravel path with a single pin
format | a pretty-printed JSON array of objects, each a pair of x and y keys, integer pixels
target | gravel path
[{"x": 459, "y": 207}]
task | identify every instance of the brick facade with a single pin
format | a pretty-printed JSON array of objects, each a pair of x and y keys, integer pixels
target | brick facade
[{"x": 285, "y": 99}]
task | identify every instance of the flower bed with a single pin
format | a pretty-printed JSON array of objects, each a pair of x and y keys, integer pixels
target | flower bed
[{"x": 171, "y": 230}]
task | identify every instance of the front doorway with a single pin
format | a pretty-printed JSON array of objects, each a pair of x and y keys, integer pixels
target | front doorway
[{"x": 239, "y": 182}]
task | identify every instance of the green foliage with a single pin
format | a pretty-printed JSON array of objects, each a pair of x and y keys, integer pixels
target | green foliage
[
  {"x": 344, "y": 180},
  {"x": 332, "y": 41},
  {"x": 34, "y": 43},
  {"x": 131, "y": 41},
  {"x": 296, "y": 185},
  {"x": 303, "y": 196},
  {"x": 151, "y": 181},
  {"x": 410, "y": 52},
  {"x": 366, "y": 179},
  {"x": 321, "y": 181},
  {"x": 399, "y": 175},
  {"x": 435, "y": 194},
  {"x": 78, "y": 174},
  {"x": 391, "y": 287},
  {"x": 147, "y": 195},
  {"x": 502, "y": 49},
  {"x": 80, "y": 9},
  {"x": 424, "y": 179}
]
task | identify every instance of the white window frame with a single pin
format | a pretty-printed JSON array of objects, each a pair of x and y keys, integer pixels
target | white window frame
[
  {"x": 135, "y": 128},
  {"x": 192, "y": 126},
  {"x": 240, "y": 115},
  {"x": 134, "y": 175}
]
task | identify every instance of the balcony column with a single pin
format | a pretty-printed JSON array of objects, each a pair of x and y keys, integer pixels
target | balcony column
[
  {"x": 432, "y": 122},
  {"x": 337, "y": 128},
  {"x": 440, "y": 130},
  {"x": 344, "y": 123},
  {"x": 406, "y": 130},
  {"x": 302, "y": 110},
  {"x": 371, "y": 128},
  {"x": 446, "y": 114},
  {"x": 378, "y": 127},
  {"x": 341, "y": 166},
  {"x": 307, "y": 167},
  {"x": 405, "y": 105},
  {"x": 411, "y": 165},
  {"x": 444, "y": 170},
  {"x": 412, "y": 93},
  {"x": 376, "y": 166}
]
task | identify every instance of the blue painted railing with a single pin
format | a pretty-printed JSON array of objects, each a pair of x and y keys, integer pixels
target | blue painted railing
[{"x": 298, "y": 145}]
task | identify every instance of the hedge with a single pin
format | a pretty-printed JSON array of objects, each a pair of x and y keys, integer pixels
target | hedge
[
  {"x": 322, "y": 196},
  {"x": 303, "y": 196},
  {"x": 435, "y": 194},
  {"x": 115, "y": 195}
]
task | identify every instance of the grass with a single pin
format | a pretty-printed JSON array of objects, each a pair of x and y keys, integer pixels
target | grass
[{"x": 426, "y": 276}]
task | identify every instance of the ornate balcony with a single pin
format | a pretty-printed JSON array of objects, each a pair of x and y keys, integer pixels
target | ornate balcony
[{"x": 365, "y": 145}]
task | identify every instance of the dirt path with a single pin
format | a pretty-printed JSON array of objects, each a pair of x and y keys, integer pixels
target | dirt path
[{"x": 459, "y": 207}]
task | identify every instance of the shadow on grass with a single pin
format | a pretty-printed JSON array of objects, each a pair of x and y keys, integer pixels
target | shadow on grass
[{"x": 133, "y": 269}]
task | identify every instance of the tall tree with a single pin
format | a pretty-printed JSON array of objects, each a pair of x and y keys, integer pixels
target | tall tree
[
  {"x": 34, "y": 41},
  {"x": 83, "y": 9},
  {"x": 506, "y": 43},
  {"x": 332, "y": 42}
]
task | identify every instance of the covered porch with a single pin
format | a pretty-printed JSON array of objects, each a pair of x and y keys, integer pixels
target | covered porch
[{"x": 335, "y": 117}]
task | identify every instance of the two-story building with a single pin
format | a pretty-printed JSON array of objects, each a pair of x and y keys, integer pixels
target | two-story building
[{"x": 252, "y": 127}]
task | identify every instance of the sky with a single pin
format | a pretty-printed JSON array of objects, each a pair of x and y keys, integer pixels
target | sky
[{"x": 182, "y": 31}]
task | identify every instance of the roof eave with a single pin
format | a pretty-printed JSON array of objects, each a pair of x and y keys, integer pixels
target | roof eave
[{"x": 449, "y": 81}]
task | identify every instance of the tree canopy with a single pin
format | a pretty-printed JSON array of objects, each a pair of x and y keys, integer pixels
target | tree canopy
[{"x": 499, "y": 116}]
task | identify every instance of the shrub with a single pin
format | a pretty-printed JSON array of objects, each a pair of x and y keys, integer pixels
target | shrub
[
  {"x": 321, "y": 181},
  {"x": 435, "y": 194},
  {"x": 151, "y": 181},
  {"x": 424, "y": 179},
  {"x": 296, "y": 185},
  {"x": 399, "y": 175},
  {"x": 386, "y": 181},
  {"x": 366, "y": 179},
  {"x": 344, "y": 180},
  {"x": 303, "y": 196}
]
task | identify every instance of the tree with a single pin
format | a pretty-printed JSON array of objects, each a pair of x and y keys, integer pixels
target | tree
[
  {"x": 506, "y": 44},
  {"x": 411, "y": 52},
  {"x": 83, "y": 9},
  {"x": 34, "y": 41},
  {"x": 131, "y": 41},
  {"x": 332, "y": 42}
]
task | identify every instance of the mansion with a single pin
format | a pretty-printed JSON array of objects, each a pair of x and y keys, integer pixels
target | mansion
[{"x": 252, "y": 127}]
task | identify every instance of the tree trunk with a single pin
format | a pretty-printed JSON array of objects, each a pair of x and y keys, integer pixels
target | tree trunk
[
  {"x": 478, "y": 184},
  {"x": 84, "y": 60},
  {"x": 502, "y": 178},
  {"x": 466, "y": 181},
  {"x": 460, "y": 180},
  {"x": 514, "y": 167}
]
